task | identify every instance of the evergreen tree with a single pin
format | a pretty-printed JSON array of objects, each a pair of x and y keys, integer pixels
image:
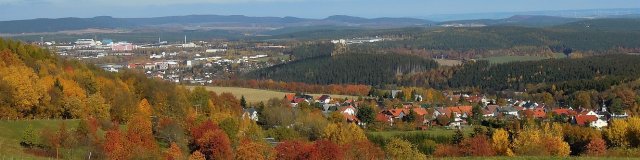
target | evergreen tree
[{"x": 243, "y": 102}]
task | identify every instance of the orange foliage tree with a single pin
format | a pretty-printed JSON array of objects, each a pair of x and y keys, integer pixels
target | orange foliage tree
[{"x": 211, "y": 141}]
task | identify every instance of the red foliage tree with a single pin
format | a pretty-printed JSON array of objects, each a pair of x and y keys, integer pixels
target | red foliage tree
[
  {"x": 597, "y": 147},
  {"x": 293, "y": 150},
  {"x": 363, "y": 150},
  {"x": 114, "y": 145},
  {"x": 477, "y": 146},
  {"x": 325, "y": 150}
]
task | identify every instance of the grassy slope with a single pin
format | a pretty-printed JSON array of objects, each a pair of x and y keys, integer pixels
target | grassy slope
[
  {"x": 11, "y": 133},
  {"x": 258, "y": 95}
]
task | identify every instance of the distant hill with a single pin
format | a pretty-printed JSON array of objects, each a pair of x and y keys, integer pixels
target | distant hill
[
  {"x": 609, "y": 24},
  {"x": 519, "y": 20},
  {"x": 197, "y": 22}
]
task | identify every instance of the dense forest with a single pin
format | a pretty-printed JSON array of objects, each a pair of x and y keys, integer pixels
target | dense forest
[
  {"x": 516, "y": 75},
  {"x": 372, "y": 69}
]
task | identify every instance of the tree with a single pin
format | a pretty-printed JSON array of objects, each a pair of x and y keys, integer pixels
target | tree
[
  {"x": 196, "y": 155},
  {"x": 243, "y": 102},
  {"x": 458, "y": 136},
  {"x": 174, "y": 152},
  {"x": 215, "y": 144},
  {"x": 616, "y": 106},
  {"x": 597, "y": 147},
  {"x": 477, "y": 114},
  {"x": 293, "y": 150},
  {"x": 366, "y": 114},
  {"x": 99, "y": 107},
  {"x": 633, "y": 131},
  {"x": 583, "y": 99},
  {"x": 500, "y": 143},
  {"x": 230, "y": 127},
  {"x": 114, "y": 145},
  {"x": 411, "y": 117},
  {"x": 363, "y": 150},
  {"x": 326, "y": 150},
  {"x": 477, "y": 146},
  {"x": 28, "y": 138},
  {"x": 254, "y": 150},
  {"x": 616, "y": 133},
  {"x": 402, "y": 149},
  {"x": 342, "y": 133},
  {"x": 139, "y": 131}
]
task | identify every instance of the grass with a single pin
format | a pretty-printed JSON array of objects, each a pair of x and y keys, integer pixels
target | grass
[
  {"x": 11, "y": 132},
  {"x": 507, "y": 59},
  {"x": 434, "y": 131},
  {"x": 258, "y": 95}
]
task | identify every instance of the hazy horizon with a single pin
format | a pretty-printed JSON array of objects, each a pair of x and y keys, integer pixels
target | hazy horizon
[{"x": 15, "y": 9}]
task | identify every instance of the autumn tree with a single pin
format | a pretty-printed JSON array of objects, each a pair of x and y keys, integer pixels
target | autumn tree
[
  {"x": 500, "y": 142},
  {"x": 341, "y": 133},
  {"x": 139, "y": 131},
  {"x": 597, "y": 147},
  {"x": 293, "y": 150},
  {"x": 477, "y": 146},
  {"x": 616, "y": 133},
  {"x": 196, "y": 155},
  {"x": 115, "y": 145},
  {"x": 254, "y": 150},
  {"x": 211, "y": 141},
  {"x": 402, "y": 149},
  {"x": 363, "y": 150},
  {"x": 326, "y": 150},
  {"x": 174, "y": 152}
]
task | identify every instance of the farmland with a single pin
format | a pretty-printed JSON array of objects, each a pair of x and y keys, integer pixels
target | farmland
[{"x": 258, "y": 95}]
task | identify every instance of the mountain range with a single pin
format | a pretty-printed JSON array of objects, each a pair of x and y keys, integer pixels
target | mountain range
[{"x": 197, "y": 22}]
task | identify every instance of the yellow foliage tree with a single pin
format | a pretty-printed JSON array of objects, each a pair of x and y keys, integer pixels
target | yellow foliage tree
[
  {"x": 616, "y": 133},
  {"x": 341, "y": 133},
  {"x": 634, "y": 131},
  {"x": 402, "y": 149},
  {"x": 254, "y": 150},
  {"x": 501, "y": 144},
  {"x": 21, "y": 86}
]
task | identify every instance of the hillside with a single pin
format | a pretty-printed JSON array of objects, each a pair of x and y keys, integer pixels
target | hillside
[{"x": 370, "y": 69}]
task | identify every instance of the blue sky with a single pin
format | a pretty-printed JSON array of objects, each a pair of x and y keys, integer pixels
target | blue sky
[{"x": 27, "y": 9}]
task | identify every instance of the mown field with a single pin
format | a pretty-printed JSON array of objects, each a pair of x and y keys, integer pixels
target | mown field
[
  {"x": 258, "y": 95},
  {"x": 11, "y": 132}
]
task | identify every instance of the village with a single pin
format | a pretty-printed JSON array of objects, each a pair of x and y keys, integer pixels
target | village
[{"x": 425, "y": 116}]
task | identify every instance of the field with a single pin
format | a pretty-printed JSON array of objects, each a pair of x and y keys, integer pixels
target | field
[
  {"x": 11, "y": 133},
  {"x": 257, "y": 95},
  {"x": 448, "y": 62},
  {"x": 507, "y": 59}
]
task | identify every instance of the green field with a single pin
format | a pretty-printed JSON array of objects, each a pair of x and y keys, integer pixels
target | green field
[
  {"x": 507, "y": 59},
  {"x": 11, "y": 133},
  {"x": 258, "y": 95}
]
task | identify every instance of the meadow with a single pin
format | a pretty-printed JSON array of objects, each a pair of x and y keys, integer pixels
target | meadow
[{"x": 259, "y": 95}]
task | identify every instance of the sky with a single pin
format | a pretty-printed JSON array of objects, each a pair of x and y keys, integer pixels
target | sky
[{"x": 29, "y": 9}]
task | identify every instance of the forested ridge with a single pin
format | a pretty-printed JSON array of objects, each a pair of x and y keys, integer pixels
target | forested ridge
[
  {"x": 516, "y": 75},
  {"x": 371, "y": 69}
]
